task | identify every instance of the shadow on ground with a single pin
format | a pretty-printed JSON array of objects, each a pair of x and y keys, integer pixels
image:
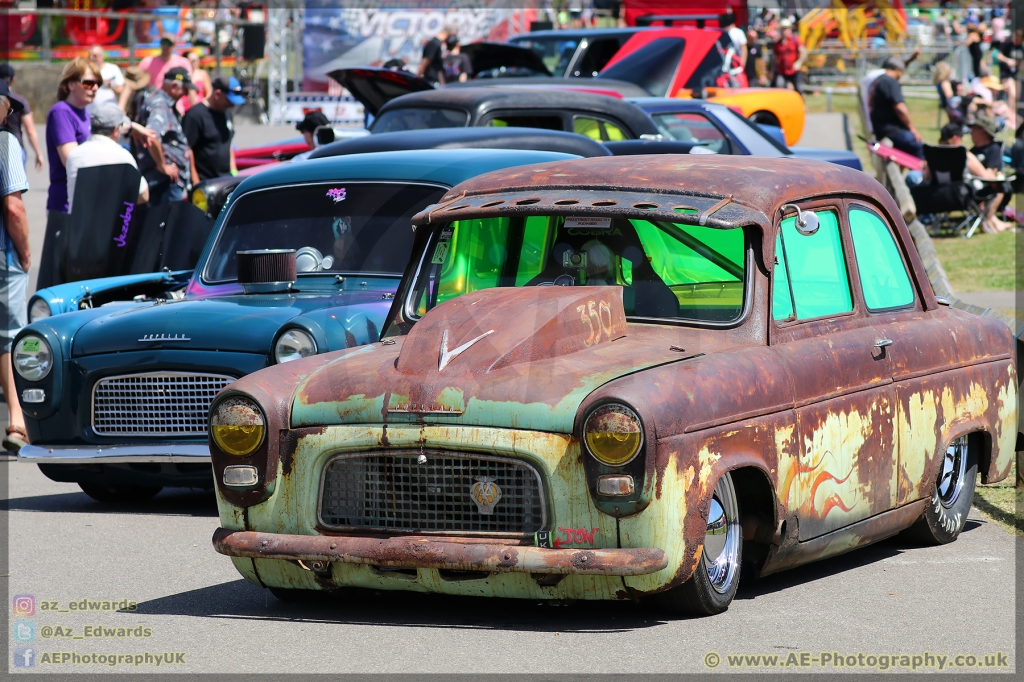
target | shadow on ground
[
  {"x": 168, "y": 502},
  {"x": 240, "y": 599}
]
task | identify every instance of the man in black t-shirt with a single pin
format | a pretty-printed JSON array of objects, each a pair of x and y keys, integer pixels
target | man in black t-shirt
[
  {"x": 432, "y": 64},
  {"x": 889, "y": 114},
  {"x": 209, "y": 128}
]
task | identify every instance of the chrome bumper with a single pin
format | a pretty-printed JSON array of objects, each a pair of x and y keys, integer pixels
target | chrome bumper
[
  {"x": 440, "y": 553},
  {"x": 115, "y": 454}
]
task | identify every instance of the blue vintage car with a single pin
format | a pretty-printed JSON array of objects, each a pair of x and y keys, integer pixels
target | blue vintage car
[{"x": 304, "y": 259}]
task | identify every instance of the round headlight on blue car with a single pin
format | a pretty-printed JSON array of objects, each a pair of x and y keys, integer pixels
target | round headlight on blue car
[
  {"x": 38, "y": 310},
  {"x": 32, "y": 358},
  {"x": 294, "y": 344}
]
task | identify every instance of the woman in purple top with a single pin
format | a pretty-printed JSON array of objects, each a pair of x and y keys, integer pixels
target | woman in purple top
[{"x": 67, "y": 126}]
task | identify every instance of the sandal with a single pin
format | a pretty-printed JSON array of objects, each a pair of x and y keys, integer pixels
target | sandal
[{"x": 16, "y": 439}]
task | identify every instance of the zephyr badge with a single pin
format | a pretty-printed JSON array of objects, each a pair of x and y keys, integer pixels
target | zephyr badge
[
  {"x": 164, "y": 337},
  {"x": 447, "y": 356}
]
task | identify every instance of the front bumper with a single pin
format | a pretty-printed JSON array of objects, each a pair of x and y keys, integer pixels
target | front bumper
[
  {"x": 169, "y": 453},
  {"x": 436, "y": 553}
]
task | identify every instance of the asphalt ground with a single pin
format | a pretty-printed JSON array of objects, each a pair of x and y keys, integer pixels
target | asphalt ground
[{"x": 890, "y": 598}]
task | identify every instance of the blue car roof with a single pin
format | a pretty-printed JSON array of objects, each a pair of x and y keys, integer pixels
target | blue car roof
[
  {"x": 653, "y": 105},
  {"x": 443, "y": 166}
]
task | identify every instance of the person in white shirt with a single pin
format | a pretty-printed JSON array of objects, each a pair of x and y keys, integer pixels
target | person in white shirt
[
  {"x": 113, "y": 79},
  {"x": 727, "y": 22},
  {"x": 102, "y": 149}
]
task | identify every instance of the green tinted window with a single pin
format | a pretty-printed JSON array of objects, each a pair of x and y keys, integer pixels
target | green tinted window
[
  {"x": 665, "y": 269},
  {"x": 595, "y": 129},
  {"x": 815, "y": 268},
  {"x": 782, "y": 297},
  {"x": 883, "y": 276}
]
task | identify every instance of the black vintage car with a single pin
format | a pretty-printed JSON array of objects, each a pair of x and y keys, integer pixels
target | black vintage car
[{"x": 210, "y": 195}]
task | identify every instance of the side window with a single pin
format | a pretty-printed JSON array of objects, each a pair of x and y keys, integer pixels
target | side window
[
  {"x": 883, "y": 277},
  {"x": 596, "y": 129},
  {"x": 528, "y": 121},
  {"x": 810, "y": 278}
]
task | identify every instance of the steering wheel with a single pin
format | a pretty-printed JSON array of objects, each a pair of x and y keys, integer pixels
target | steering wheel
[{"x": 560, "y": 281}]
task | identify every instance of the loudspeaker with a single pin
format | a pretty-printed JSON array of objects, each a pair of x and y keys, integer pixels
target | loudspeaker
[{"x": 254, "y": 42}]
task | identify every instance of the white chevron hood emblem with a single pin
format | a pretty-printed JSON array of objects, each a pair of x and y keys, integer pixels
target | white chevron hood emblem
[{"x": 447, "y": 356}]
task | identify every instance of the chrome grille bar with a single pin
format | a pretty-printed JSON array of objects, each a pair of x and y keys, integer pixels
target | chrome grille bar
[
  {"x": 395, "y": 492},
  {"x": 155, "y": 403}
]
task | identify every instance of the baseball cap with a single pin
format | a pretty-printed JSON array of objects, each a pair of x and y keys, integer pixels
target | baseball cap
[
  {"x": 786, "y": 23},
  {"x": 986, "y": 123},
  {"x": 167, "y": 38},
  {"x": 107, "y": 116},
  {"x": 6, "y": 71},
  {"x": 311, "y": 122},
  {"x": 231, "y": 88},
  {"x": 181, "y": 75},
  {"x": 894, "y": 64},
  {"x": 16, "y": 106}
]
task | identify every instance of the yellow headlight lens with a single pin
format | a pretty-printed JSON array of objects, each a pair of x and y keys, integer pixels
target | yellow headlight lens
[
  {"x": 199, "y": 200},
  {"x": 613, "y": 434},
  {"x": 237, "y": 426}
]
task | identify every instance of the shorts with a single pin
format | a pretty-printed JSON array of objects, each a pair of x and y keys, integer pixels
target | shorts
[{"x": 13, "y": 306}]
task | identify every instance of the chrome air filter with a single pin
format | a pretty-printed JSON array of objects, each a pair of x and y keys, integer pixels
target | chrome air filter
[{"x": 265, "y": 271}]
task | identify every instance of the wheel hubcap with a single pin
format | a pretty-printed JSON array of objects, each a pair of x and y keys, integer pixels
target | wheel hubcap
[
  {"x": 722, "y": 540},
  {"x": 951, "y": 476}
]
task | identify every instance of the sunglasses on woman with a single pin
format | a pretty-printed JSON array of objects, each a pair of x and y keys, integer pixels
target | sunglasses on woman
[{"x": 90, "y": 83}]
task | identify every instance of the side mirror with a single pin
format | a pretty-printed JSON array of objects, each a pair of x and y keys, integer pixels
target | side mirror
[{"x": 806, "y": 221}]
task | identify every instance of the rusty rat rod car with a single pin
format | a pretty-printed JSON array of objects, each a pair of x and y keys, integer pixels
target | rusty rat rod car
[{"x": 622, "y": 376}]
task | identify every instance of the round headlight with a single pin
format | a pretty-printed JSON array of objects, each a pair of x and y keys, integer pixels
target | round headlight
[
  {"x": 294, "y": 344},
  {"x": 33, "y": 358},
  {"x": 199, "y": 200},
  {"x": 613, "y": 434},
  {"x": 237, "y": 426},
  {"x": 39, "y": 310}
]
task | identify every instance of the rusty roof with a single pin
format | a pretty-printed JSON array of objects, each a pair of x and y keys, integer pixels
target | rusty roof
[{"x": 713, "y": 190}]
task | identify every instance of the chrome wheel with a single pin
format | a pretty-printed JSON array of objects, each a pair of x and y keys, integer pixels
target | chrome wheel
[
  {"x": 721, "y": 554},
  {"x": 951, "y": 476}
]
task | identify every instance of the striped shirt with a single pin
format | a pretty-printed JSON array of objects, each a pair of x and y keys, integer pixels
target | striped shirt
[{"x": 12, "y": 179}]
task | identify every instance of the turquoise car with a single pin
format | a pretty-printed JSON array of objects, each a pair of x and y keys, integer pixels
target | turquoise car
[{"x": 116, "y": 393}]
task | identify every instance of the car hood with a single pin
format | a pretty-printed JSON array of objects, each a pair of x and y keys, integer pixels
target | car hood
[
  {"x": 245, "y": 324},
  {"x": 505, "y": 357},
  {"x": 374, "y": 87}
]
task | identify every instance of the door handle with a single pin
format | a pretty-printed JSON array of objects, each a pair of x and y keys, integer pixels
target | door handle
[{"x": 882, "y": 343}]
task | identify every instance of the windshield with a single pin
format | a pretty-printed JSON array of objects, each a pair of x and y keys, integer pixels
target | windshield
[
  {"x": 555, "y": 52},
  {"x": 342, "y": 227},
  {"x": 419, "y": 118},
  {"x": 666, "y": 270},
  {"x": 692, "y": 126},
  {"x": 652, "y": 67},
  {"x": 750, "y": 135},
  {"x": 712, "y": 68}
]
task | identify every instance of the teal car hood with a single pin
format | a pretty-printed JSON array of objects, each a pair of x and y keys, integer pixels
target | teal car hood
[
  {"x": 246, "y": 324},
  {"x": 514, "y": 358}
]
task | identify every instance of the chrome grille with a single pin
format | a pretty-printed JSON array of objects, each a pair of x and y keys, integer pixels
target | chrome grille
[
  {"x": 155, "y": 403},
  {"x": 393, "y": 492}
]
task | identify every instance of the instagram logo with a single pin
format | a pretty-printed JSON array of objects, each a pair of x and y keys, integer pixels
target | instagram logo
[{"x": 24, "y": 605}]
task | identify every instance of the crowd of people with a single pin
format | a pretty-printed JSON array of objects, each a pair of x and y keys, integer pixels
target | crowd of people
[{"x": 166, "y": 117}]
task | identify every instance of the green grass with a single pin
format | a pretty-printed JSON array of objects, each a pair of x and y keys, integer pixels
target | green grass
[{"x": 985, "y": 262}]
